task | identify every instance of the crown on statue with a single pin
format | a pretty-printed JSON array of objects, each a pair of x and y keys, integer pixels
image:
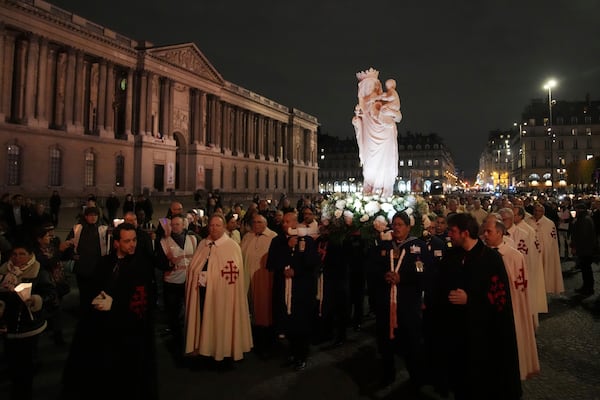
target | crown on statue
[{"x": 370, "y": 73}]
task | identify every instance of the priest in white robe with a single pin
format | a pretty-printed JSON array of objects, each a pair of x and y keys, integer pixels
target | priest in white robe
[
  {"x": 217, "y": 316},
  {"x": 514, "y": 263},
  {"x": 548, "y": 237},
  {"x": 255, "y": 249},
  {"x": 525, "y": 242}
]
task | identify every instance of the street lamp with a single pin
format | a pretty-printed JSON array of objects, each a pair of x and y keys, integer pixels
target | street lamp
[
  {"x": 521, "y": 163},
  {"x": 548, "y": 86}
]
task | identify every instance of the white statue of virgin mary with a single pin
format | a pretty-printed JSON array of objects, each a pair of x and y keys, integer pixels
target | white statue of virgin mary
[{"x": 375, "y": 118}]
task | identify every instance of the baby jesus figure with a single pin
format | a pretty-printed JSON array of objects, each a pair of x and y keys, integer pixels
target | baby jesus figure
[{"x": 388, "y": 103}]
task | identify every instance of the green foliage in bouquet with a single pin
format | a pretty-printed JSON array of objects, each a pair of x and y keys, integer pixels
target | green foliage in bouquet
[{"x": 345, "y": 213}]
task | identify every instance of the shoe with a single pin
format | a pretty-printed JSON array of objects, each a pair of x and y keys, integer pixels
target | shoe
[{"x": 300, "y": 365}]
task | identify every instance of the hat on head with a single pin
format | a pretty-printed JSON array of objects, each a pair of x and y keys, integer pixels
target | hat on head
[
  {"x": 41, "y": 230},
  {"x": 91, "y": 210}
]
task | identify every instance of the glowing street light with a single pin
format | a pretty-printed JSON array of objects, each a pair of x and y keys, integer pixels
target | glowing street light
[
  {"x": 521, "y": 163},
  {"x": 551, "y": 83}
]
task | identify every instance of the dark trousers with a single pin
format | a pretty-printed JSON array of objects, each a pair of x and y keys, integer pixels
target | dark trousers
[
  {"x": 357, "y": 295},
  {"x": 20, "y": 356},
  {"x": 407, "y": 342},
  {"x": 585, "y": 264},
  {"x": 299, "y": 345},
  {"x": 174, "y": 299},
  {"x": 86, "y": 291}
]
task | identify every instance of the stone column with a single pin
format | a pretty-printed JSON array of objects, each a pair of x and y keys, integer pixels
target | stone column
[
  {"x": 109, "y": 124},
  {"x": 247, "y": 132},
  {"x": 148, "y": 99},
  {"x": 101, "y": 107},
  {"x": 50, "y": 90},
  {"x": 2, "y": 69},
  {"x": 7, "y": 71},
  {"x": 79, "y": 103},
  {"x": 193, "y": 93},
  {"x": 236, "y": 131},
  {"x": 59, "y": 99},
  {"x": 42, "y": 87},
  {"x": 142, "y": 103},
  {"x": 226, "y": 131},
  {"x": 169, "y": 121},
  {"x": 129, "y": 104},
  {"x": 166, "y": 101},
  {"x": 31, "y": 70},
  {"x": 70, "y": 90},
  {"x": 18, "y": 103},
  {"x": 203, "y": 118}
]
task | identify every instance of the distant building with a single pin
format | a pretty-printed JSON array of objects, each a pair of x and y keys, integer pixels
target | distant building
[
  {"x": 424, "y": 164},
  {"x": 84, "y": 109},
  {"x": 539, "y": 158}
]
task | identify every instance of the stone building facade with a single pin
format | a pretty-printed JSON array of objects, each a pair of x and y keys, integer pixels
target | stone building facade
[
  {"x": 425, "y": 165},
  {"x": 537, "y": 153},
  {"x": 84, "y": 109}
]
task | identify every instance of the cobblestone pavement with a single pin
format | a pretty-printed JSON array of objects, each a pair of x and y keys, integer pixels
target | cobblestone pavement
[{"x": 568, "y": 343}]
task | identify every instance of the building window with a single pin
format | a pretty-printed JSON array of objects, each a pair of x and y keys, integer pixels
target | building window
[
  {"x": 410, "y": 163},
  {"x": 13, "y": 158},
  {"x": 436, "y": 162},
  {"x": 574, "y": 131},
  {"x": 276, "y": 179},
  {"x": 55, "y": 178},
  {"x": 436, "y": 172},
  {"x": 575, "y": 144},
  {"x": 588, "y": 119},
  {"x": 533, "y": 161},
  {"x": 256, "y": 178},
  {"x": 89, "y": 169},
  {"x": 574, "y": 120},
  {"x": 588, "y": 131},
  {"x": 246, "y": 183},
  {"x": 120, "y": 171},
  {"x": 402, "y": 163},
  {"x": 284, "y": 180}
]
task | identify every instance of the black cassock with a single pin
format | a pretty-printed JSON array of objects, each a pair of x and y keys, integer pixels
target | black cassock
[
  {"x": 116, "y": 348},
  {"x": 479, "y": 338}
]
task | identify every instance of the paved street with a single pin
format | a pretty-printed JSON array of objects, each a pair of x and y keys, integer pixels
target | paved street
[{"x": 568, "y": 342}]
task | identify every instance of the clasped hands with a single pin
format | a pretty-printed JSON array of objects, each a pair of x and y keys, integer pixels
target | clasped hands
[
  {"x": 457, "y": 296},
  {"x": 288, "y": 272},
  {"x": 102, "y": 302},
  {"x": 393, "y": 278}
]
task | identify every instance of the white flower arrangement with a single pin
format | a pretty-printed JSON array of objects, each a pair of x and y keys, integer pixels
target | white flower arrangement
[{"x": 344, "y": 212}]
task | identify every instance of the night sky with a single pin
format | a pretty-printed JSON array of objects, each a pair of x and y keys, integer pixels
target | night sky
[{"x": 463, "y": 68}]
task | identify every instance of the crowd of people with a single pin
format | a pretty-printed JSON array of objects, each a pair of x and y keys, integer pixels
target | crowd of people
[{"x": 460, "y": 303}]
